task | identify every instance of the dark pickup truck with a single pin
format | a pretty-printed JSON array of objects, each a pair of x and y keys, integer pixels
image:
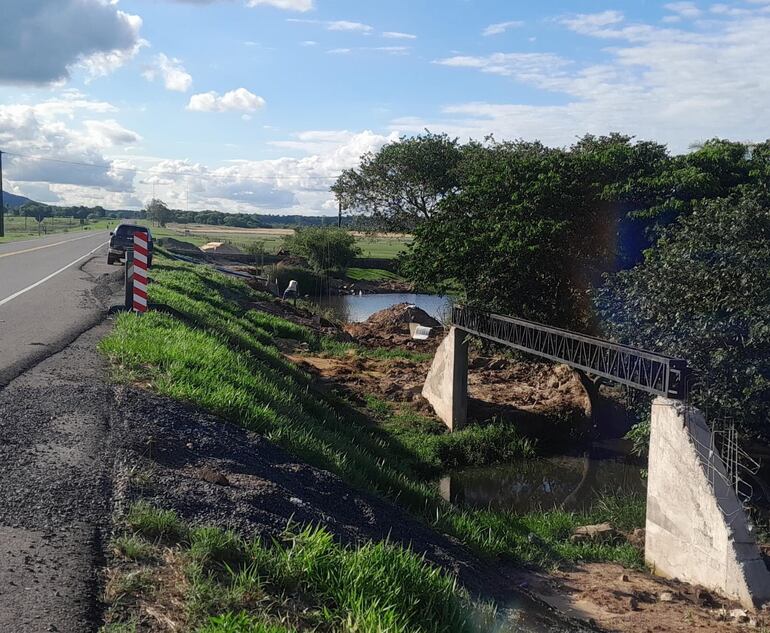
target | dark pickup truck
[{"x": 122, "y": 238}]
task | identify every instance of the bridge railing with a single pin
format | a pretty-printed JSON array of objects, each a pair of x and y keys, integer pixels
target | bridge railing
[{"x": 654, "y": 373}]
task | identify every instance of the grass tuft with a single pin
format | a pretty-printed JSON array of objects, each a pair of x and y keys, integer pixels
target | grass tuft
[{"x": 155, "y": 524}]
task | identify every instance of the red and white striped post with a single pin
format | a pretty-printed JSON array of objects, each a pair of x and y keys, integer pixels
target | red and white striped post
[{"x": 141, "y": 253}]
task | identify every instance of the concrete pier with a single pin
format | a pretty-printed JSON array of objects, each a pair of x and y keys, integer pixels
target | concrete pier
[
  {"x": 697, "y": 530},
  {"x": 446, "y": 387}
]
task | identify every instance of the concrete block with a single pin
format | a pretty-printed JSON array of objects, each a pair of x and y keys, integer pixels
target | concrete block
[
  {"x": 697, "y": 529},
  {"x": 446, "y": 387}
]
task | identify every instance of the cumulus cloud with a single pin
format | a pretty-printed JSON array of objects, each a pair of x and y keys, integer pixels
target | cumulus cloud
[
  {"x": 42, "y": 40},
  {"x": 61, "y": 129},
  {"x": 171, "y": 71},
  {"x": 501, "y": 27},
  {"x": 239, "y": 100},
  {"x": 675, "y": 85}
]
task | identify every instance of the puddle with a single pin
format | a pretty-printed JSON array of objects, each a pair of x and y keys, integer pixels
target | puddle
[{"x": 542, "y": 483}]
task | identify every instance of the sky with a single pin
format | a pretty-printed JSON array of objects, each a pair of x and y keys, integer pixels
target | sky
[{"x": 257, "y": 105}]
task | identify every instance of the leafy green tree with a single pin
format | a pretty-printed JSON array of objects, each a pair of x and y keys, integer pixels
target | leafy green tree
[
  {"x": 533, "y": 228},
  {"x": 703, "y": 294},
  {"x": 157, "y": 211},
  {"x": 401, "y": 184},
  {"x": 325, "y": 249}
]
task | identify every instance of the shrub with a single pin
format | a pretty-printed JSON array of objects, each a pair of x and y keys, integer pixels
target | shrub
[{"x": 325, "y": 249}]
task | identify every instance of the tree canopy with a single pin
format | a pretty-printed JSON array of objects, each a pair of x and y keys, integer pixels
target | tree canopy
[
  {"x": 402, "y": 183},
  {"x": 703, "y": 293}
]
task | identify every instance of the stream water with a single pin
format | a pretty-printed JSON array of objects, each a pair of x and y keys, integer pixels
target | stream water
[
  {"x": 543, "y": 483},
  {"x": 357, "y": 308}
]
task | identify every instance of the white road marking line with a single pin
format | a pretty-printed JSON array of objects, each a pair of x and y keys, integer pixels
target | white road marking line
[
  {"x": 51, "y": 276},
  {"x": 38, "y": 248}
]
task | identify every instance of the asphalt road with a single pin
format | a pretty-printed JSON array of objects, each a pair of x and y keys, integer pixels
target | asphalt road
[{"x": 51, "y": 290}]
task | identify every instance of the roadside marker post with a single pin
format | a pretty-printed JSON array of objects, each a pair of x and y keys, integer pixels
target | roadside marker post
[{"x": 141, "y": 255}]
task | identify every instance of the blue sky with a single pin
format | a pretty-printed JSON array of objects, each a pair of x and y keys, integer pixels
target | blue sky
[{"x": 255, "y": 105}]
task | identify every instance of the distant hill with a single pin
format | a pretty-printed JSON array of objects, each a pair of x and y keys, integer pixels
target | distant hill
[{"x": 13, "y": 201}]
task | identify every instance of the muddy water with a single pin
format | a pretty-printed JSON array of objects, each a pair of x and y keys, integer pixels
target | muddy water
[
  {"x": 544, "y": 483},
  {"x": 357, "y": 308}
]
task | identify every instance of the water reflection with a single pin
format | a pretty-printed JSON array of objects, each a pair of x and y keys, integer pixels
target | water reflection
[
  {"x": 357, "y": 308},
  {"x": 546, "y": 483}
]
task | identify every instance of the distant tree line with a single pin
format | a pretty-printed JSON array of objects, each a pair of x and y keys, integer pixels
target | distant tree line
[{"x": 611, "y": 236}]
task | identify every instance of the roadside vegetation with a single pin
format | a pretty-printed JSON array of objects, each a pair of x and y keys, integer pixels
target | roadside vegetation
[
  {"x": 220, "y": 356},
  {"x": 303, "y": 581},
  {"x": 21, "y": 228}
]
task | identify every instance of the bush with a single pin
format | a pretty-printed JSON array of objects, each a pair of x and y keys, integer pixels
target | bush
[{"x": 325, "y": 249}]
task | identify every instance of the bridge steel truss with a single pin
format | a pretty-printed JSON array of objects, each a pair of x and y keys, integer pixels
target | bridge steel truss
[{"x": 637, "y": 368}]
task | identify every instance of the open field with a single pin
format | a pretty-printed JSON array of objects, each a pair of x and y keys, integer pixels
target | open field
[
  {"x": 17, "y": 229},
  {"x": 378, "y": 245}
]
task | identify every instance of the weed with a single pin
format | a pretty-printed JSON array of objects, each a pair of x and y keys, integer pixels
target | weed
[
  {"x": 134, "y": 548},
  {"x": 241, "y": 623},
  {"x": 155, "y": 524},
  {"x": 216, "y": 548}
]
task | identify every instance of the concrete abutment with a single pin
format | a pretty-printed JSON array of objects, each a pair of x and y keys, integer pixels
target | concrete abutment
[
  {"x": 446, "y": 387},
  {"x": 697, "y": 530}
]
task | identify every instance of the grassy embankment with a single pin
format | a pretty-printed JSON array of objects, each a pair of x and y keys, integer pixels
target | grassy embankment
[
  {"x": 15, "y": 229},
  {"x": 223, "y": 584},
  {"x": 221, "y": 357}
]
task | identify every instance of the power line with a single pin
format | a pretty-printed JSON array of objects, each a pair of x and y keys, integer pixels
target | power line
[{"x": 112, "y": 167}]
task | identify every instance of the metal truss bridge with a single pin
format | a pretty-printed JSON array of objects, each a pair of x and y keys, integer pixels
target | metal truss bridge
[{"x": 647, "y": 371}]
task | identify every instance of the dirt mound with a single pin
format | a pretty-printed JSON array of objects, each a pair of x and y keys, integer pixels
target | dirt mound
[
  {"x": 401, "y": 314},
  {"x": 390, "y": 328},
  {"x": 178, "y": 246}
]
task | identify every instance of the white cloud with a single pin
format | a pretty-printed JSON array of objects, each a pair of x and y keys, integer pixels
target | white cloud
[
  {"x": 239, "y": 100},
  {"x": 397, "y": 35},
  {"x": 340, "y": 51},
  {"x": 308, "y": 43},
  {"x": 685, "y": 9},
  {"x": 42, "y": 40},
  {"x": 591, "y": 23},
  {"x": 55, "y": 129},
  {"x": 171, "y": 70},
  {"x": 675, "y": 85},
  {"x": 523, "y": 66},
  {"x": 501, "y": 27},
  {"x": 337, "y": 25},
  {"x": 289, "y": 5}
]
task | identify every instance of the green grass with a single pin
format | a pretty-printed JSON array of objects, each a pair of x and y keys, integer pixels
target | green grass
[
  {"x": 133, "y": 547},
  {"x": 153, "y": 524},
  {"x": 220, "y": 357},
  {"x": 16, "y": 231},
  {"x": 307, "y": 581},
  {"x": 371, "y": 274},
  {"x": 377, "y": 247}
]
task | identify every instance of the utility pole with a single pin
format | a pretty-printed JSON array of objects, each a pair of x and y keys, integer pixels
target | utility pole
[{"x": 2, "y": 203}]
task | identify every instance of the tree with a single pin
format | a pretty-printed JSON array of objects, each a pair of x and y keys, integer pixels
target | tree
[
  {"x": 325, "y": 249},
  {"x": 157, "y": 211},
  {"x": 702, "y": 293},
  {"x": 401, "y": 184},
  {"x": 533, "y": 228}
]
